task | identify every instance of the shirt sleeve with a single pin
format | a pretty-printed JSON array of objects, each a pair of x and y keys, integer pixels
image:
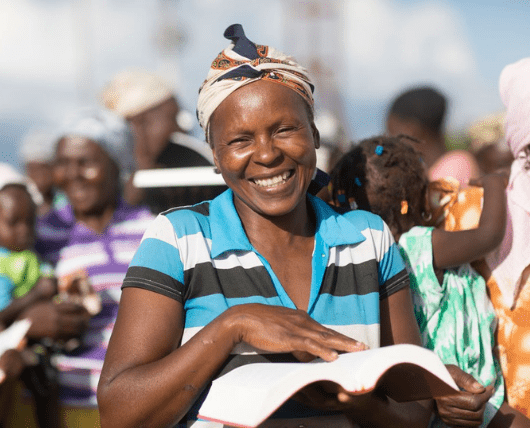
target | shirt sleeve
[
  {"x": 157, "y": 264},
  {"x": 393, "y": 275}
]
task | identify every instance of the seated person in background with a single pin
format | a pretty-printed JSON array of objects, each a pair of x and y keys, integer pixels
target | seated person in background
[
  {"x": 93, "y": 159},
  {"x": 54, "y": 215},
  {"x": 420, "y": 114},
  {"x": 264, "y": 272},
  {"x": 150, "y": 106},
  {"x": 385, "y": 175}
]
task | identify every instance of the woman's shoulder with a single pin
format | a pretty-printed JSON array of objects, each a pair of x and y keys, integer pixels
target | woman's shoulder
[{"x": 185, "y": 220}]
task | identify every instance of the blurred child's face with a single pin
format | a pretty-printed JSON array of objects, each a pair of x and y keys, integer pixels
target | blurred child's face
[
  {"x": 42, "y": 175},
  {"x": 17, "y": 219}
]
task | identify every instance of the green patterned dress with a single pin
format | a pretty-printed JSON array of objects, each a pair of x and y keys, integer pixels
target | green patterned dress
[{"x": 456, "y": 318}]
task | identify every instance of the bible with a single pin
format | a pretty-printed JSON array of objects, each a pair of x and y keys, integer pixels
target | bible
[{"x": 248, "y": 395}]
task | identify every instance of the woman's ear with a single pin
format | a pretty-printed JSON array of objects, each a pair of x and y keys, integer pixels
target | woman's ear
[
  {"x": 316, "y": 135},
  {"x": 216, "y": 162}
]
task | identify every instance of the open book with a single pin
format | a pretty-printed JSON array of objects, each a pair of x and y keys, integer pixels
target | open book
[
  {"x": 11, "y": 337},
  {"x": 249, "y": 394}
]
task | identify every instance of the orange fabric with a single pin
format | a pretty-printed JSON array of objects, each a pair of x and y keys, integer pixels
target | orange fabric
[
  {"x": 459, "y": 209},
  {"x": 513, "y": 340},
  {"x": 452, "y": 207}
]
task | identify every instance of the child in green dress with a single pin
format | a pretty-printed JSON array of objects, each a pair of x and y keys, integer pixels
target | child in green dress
[
  {"x": 25, "y": 281},
  {"x": 385, "y": 175}
]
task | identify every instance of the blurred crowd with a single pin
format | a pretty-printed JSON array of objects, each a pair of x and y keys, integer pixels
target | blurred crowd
[{"x": 71, "y": 221}]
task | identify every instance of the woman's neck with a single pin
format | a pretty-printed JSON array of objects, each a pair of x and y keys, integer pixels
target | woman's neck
[
  {"x": 97, "y": 221},
  {"x": 273, "y": 231}
]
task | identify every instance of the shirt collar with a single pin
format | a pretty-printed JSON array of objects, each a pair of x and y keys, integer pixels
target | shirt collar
[
  {"x": 334, "y": 228},
  {"x": 228, "y": 233}
]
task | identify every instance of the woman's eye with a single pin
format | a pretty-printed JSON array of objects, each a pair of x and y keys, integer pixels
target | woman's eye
[
  {"x": 238, "y": 140},
  {"x": 285, "y": 129}
]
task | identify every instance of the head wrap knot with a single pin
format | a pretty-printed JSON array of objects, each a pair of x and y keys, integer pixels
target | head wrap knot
[{"x": 244, "y": 62}]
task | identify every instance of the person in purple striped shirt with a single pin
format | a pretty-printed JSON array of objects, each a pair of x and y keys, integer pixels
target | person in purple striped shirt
[{"x": 92, "y": 161}]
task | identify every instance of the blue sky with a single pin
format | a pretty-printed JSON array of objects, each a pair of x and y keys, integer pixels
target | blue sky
[{"x": 55, "y": 55}]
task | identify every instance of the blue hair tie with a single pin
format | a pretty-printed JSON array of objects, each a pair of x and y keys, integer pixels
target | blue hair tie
[
  {"x": 341, "y": 197},
  {"x": 358, "y": 182},
  {"x": 379, "y": 150}
]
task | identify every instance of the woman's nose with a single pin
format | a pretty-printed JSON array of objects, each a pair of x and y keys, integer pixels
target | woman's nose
[
  {"x": 266, "y": 151},
  {"x": 72, "y": 171}
]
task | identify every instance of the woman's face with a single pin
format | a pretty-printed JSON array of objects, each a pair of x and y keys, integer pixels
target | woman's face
[
  {"x": 264, "y": 146},
  {"x": 87, "y": 175},
  {"x": 153, "y": 128}
]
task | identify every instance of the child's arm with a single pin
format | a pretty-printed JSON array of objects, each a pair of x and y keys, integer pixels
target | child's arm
[
  {"x": 44, "y": 288},
  {"x": 456, "y": 248}
]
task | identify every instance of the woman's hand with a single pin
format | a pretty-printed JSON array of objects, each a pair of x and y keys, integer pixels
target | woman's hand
[
  {"x": 278, "y": 329},
  {"x": 467, "y": 408},
  {"x": 63, "y": 320}
]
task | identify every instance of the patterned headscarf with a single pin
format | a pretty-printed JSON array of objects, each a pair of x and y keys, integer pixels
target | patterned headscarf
[
  {"x": 244, "y": 62},
  {"x": 513, "y": 256}
]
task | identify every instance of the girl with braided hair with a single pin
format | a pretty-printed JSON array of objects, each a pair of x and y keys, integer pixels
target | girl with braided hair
[{"x": 386, "y": 175}]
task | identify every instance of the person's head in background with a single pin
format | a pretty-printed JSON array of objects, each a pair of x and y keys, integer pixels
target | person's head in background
[
  {"x": 420, "y": 113},
  {"x": 93, "y": 159},
  {"x": 17, "y": 210},
  {"x": 488, "y": 143},
  {"x": 386, "y": 176},
  {"x": 37, "y": 151},
  {"x": 149, "y": 104}
]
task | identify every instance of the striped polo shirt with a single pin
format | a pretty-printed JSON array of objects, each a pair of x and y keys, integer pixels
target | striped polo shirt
[
  {"x": 104, "y": 259},
  {"x": 200, "y": 256}
]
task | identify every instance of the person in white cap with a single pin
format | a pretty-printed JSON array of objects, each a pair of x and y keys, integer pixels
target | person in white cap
[{"x": 150, "y": 106}]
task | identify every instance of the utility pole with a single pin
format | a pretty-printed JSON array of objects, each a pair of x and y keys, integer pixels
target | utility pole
[{"x": 314, "y": 35}]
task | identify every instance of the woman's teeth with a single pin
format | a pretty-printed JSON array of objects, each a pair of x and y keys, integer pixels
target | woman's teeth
[{"x": 274, "y": 181}]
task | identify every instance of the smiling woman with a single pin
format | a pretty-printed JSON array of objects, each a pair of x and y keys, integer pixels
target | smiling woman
[
  {"x": 92, "y": 157},
  {"x": 264, "y": 272}
]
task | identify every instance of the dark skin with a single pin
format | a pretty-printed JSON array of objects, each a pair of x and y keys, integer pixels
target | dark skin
[
  {"x": 11, "y": 366},
  {"x": 152, "y": 130},
  {"x": 269, "y": 135},
  {"x": 17, "y": 218},
  {"x": 42, "y": 175},
  {"x": 89, "y": 178}
]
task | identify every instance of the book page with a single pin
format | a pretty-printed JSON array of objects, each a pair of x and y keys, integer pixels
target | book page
[
  {"x": 11, "y": 337},
  {"x": 249, "y": 394}
]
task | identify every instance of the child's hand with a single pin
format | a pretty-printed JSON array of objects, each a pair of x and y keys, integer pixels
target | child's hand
[
  {"x": 500, "y": 176},
  {"x": 11, "y": 365},
  {"x": 466, "y": 408},
  {"x": 46, "y": 287}
]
